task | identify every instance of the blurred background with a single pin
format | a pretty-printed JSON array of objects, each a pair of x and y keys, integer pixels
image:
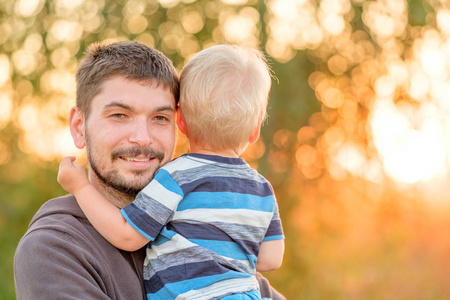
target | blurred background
[{"x": 357, "y": 143}]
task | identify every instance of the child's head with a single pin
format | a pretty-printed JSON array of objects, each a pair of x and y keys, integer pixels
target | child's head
[{"x": 224, "y": 94}]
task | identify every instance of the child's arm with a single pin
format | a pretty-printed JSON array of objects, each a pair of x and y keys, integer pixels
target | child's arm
[
  {"x": 103, "y": 215},
  {"x": 270, "y": 256}
]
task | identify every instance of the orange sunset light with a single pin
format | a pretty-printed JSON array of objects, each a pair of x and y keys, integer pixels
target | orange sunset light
[{"x": 356, "y": 143}]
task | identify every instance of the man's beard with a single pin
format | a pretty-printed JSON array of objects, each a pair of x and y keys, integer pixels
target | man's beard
[{"x": 113, "y": 179}]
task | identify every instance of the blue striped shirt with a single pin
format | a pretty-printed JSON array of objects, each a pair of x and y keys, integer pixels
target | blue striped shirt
[{"x": 206, "y": 217}]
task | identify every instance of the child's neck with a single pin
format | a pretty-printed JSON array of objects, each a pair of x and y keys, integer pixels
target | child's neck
[{"x": 208, "y": 151}]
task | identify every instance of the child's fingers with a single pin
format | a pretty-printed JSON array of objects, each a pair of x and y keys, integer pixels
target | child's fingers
[
  {"x": 68, "y": 164},
  {"x": 67, "y": 161},
  {"x": 77, "y": 165}
]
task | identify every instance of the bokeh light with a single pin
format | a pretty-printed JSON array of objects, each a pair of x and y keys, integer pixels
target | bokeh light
[{"x": 356, "y": 145}]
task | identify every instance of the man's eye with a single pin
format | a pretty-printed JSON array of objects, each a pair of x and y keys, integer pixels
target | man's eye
[
  {"x": 118, "y": 116},
  {"x": 161, "y": 118}
]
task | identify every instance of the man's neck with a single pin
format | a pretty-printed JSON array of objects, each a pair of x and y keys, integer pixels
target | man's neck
[{"x": 117, "y": 198}]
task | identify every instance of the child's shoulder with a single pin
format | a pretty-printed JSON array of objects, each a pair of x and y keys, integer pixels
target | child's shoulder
[{"x": 182, "y": 162}]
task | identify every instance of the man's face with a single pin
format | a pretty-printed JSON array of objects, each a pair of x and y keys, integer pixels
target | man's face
[{"x": 130, "y": 133}]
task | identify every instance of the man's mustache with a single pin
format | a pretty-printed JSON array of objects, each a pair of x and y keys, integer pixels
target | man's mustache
[{"x": 136, "y": 151}]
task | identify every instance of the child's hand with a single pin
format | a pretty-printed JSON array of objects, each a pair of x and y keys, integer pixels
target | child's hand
[{"x": 72, "y": 175}]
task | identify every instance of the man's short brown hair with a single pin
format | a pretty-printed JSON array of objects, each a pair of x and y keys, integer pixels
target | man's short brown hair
[{"x": 129, "y": 59}]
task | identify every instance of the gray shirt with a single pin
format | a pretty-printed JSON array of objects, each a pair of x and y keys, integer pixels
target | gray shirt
[{"x": 61, "y": 256}]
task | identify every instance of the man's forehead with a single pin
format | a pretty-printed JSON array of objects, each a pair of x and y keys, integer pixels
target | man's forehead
[
  {"x": 147, "y": 82},
  {"x": 121, "y": 87}
]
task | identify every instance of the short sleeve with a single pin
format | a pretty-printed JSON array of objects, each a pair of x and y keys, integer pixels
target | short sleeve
[
  {"x": 154, "y": 206},
  {"x": 275, "y": 229}
]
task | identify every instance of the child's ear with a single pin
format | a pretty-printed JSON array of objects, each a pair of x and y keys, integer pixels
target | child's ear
[
  {"x": 180, "y": 122},
  {"x": 255, "y": 135}
]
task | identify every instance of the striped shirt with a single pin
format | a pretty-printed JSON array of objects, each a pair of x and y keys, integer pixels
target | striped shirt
[{"x": 206, "y": 217}]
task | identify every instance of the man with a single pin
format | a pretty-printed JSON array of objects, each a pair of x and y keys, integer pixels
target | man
[{"x": 127, "y": 95}]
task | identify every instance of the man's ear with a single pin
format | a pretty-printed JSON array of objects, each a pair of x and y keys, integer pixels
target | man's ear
[
  {"x": 77, "y": 126},
  {"x": 255, "y": 134},
  {"x": 180, "y": 122}
]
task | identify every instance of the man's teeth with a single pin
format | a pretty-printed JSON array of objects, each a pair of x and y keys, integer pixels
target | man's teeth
[{"x": 136, "y": 159}]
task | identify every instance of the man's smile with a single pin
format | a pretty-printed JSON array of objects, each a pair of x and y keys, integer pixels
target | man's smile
[
  {"x": 139, "y": 161},
  {"x": 136, "y": 159},
  {"x": 138, "y": 155}
]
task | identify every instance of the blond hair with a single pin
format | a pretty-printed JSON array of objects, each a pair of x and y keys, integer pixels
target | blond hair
[{"x": 223, "y": 95}]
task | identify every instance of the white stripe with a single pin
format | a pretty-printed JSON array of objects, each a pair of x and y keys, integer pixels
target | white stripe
[
  {"x": 159, "y": 193},
  {"x": 245, "y": 262},
  {"x": 233, "y": 216},
  {"x": 176, "y": 243},
  {"x": 221, "y": 288},
  {"x": 182, "y": 163}
]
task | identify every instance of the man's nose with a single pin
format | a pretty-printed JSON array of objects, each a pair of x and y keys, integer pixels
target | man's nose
[{"x": 141, "y": 133}]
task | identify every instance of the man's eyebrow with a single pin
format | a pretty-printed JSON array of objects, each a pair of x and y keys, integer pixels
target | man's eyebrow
[
  {"x": 118, "y": 104},
  {"x": 167, "y": 107},
  {"x": 128, "y": 107}
]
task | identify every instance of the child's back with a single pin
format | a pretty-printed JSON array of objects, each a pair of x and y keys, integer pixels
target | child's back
[{"x": 209, "y": 244}]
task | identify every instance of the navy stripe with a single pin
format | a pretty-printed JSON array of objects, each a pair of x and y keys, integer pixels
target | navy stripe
[
  {"x": 249, "y": 247},
  {"x": 142, "y": 220},
  {"x": 201, "y": 231},
  {"x": 194, "y": 255},
  {"x": 210, "y": 232},
  {"x": 218, "y": 232},
  {"x": 228, "y": 184},
  {"x": 181, "y": 273},
  {"x": 274, "y": 228}
]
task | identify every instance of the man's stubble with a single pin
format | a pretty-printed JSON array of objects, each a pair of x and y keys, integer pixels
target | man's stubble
[{"x": 115, "y": 183}]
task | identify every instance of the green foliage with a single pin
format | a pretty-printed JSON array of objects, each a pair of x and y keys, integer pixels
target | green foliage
[{"x": 418, "y": 11}]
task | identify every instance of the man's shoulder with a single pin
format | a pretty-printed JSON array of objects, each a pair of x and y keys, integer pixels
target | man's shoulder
[
  {"x": 58, "y": 217},
  {"x": 53, "y": 225},
  {"x": 58, "y": 209},
  {"x": 60, "y": 226},
  {"x": 61, "y": 253}
]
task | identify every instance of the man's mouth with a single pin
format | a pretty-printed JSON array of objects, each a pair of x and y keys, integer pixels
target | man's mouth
[
  {"x": 136, "y": 159},
  {"x": 137, "y": 155}
]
